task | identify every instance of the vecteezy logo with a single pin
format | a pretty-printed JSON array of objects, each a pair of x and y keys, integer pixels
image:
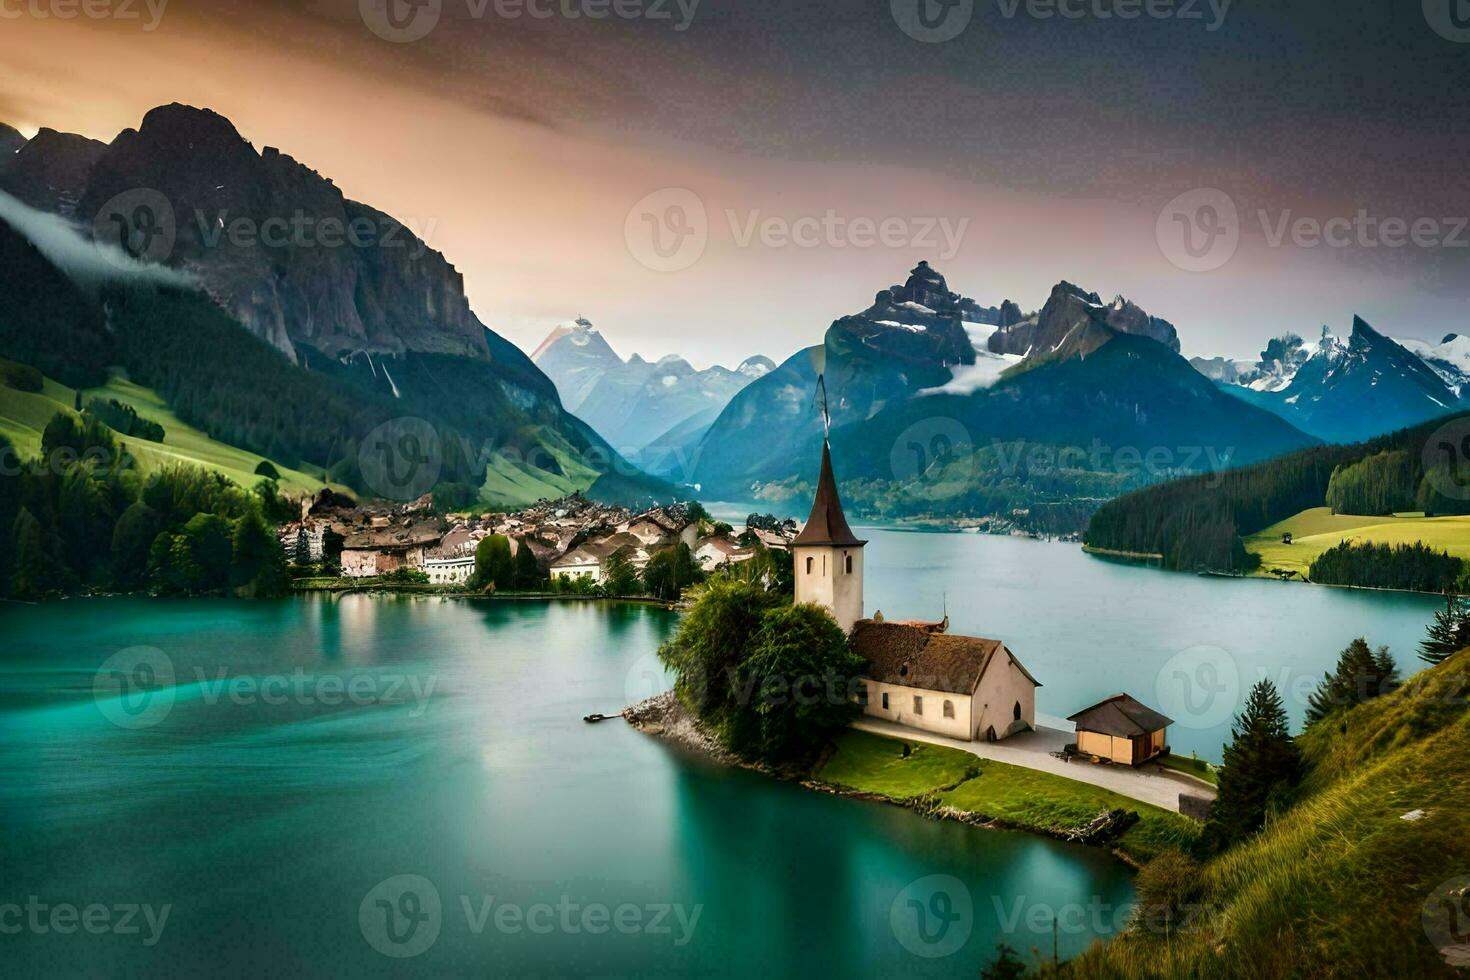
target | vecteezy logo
[
  {"x": 1199, "y": 687},
  {"x": 928, "y": 450},
  {"x": 1449, "y": 18},
  {"x": 1446, "y": 918},
  {"x": 134, "y": 688},
  {"x": 401, "y": 459},
  {"x": 1199, "y": 231},
  {"x": 933, "y": 916},
  {"x": 401, "y": 916},
  {"x": 401, "y": 21},
  {"x": 1447, "y": 459},
  {"x": 140, "y": 224},
  {"x": 667, "y": 231},
  {"x": 646, "y": 678},
  {"x": 932, "y": 21}
]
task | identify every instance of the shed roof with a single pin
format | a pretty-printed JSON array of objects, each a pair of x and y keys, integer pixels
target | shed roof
[{"x": 1121, "y": 715}]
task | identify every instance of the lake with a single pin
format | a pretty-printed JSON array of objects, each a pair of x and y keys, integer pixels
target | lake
[{"x": 391, "y": 785}]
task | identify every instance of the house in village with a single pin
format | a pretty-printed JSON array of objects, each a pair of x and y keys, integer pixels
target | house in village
[
  {"x": 384, "y": 550},
  {"x": 918, "y": 674},
  {"x": 715, "y": 553},
  {"x": 1123, "y": 730},
  {"x": 590, "y": 560}
]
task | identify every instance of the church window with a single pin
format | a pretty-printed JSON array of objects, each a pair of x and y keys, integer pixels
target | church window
[
  {"x": 885, "y": 700},
  {"x": 849, "y": 564},
  {"x": 809, "y": 565},
  {"x": 918, "y": 705},
  {"x": 949, "y": 709},
  {"x": 862, "y": 695},
  {"x": 1016, "y": 713}
]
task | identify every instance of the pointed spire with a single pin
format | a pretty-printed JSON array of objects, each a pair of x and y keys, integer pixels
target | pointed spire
[{"x": 827, "y": 525}]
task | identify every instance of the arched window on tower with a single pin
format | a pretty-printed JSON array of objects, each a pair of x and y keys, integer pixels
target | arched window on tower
[
  {"x": 809, "y": 564},
  {"x": 849, "y": 564},
  {"x": 1016, "y": 713}
]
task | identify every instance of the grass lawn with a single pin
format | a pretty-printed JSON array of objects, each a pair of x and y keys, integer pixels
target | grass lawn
[
  {"x": 1318, "y": 529},
  {"x": 1019, "y": 797},
  {"x": 23, "y": 415},
  {"x": 1198, "y": 768}
]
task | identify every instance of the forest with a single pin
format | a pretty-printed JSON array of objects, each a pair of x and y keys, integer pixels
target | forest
[
  {"x": 1198, "y": 523},
  {"x": 1412, "y": 567}
]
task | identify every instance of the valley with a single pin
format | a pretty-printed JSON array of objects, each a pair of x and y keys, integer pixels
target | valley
[{"x": 1316, "y": 530}]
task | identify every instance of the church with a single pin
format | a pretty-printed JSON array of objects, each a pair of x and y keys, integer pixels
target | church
[{"x": 919, "y": 674}]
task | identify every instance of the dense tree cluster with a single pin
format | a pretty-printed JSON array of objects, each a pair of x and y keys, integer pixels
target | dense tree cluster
[
  {"x": 1413, "y": 567},
  {"x": 1197, "y": 522},
  {"x": 773, "y": 680},
  {"x": 1384, "y": 483},
  {"x": 124, "y": 419},
  {"x": 82, "y": 517}
]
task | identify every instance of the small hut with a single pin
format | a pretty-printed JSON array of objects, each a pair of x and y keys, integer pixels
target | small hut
[{"x": 1121, "y": 729}]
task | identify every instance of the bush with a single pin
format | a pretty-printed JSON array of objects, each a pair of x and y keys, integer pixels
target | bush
[
  {"x": 124, "y": 419},
  {"x": 22, "y": 377},
  {"x": 267, "y": 469}
]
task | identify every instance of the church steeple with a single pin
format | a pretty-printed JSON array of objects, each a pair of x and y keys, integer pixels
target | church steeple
[
  {"x": 827, "y": 523},
  {"x": 828, "y": 556}
]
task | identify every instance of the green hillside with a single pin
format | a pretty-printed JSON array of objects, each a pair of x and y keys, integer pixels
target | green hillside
[
  {"x": 1317, "y": 529},
  {"x": 23, "y": 416},
  {"x": 1338, "y": 884}
]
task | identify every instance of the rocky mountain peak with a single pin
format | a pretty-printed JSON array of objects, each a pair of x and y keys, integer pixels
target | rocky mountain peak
[
  {"x": 50, "y": 172},
  {"x": 756, "y": 367},
  {"x": 1073, "y": 314},
  {"x": 10, "y": 140}
]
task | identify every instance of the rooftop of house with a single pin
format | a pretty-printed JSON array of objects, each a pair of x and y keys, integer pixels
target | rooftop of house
[
  {"x": 920, "y": 656},
  {"x": 1121, "y": 715}
]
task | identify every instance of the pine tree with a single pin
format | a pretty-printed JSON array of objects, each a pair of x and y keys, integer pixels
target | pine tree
[
  {"x": 1262, "y": 764},
  {"x": 1361, "y": 674},
  {"x": 1448, "y": 634},
  {"x": 528, "y": 573}
]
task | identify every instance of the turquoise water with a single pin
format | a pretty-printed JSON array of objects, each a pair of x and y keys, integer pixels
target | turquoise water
[
  {"x": 287, "y": 764},
  {"x": 259, "y": 811}
]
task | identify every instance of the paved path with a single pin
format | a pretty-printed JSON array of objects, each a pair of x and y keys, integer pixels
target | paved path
[{"x": 1032, "y": 750}]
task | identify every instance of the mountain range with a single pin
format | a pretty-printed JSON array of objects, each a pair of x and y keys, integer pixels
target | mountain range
[
  {"x": 363, "y": 319},
  {"x": 635, "y": 403},
  {"x": 1345, "y": 391},
  {"x": 941, "y": 406}
]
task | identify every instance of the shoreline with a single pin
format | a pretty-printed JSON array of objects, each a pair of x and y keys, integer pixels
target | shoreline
[{"x": 664, "y": 718}]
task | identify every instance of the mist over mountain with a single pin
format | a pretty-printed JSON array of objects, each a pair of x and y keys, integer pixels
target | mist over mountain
[{"x": 355, "y": 305}]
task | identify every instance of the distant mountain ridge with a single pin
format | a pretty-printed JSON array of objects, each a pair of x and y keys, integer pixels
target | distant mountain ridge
[
  {"x": 1347, "y": 391},
  {"x": 633, "y": 403}
]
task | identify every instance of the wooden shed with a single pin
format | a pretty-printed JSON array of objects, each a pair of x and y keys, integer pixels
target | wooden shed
[{"x": 1122, "y": 730}]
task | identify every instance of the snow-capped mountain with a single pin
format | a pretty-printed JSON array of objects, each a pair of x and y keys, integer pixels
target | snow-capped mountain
[
  {"x": 1450, "y": 359},
  {"x": 924, "y": 366},
  {"x": 631, "y": 403},
  {"x": 1347, "y": 391}
]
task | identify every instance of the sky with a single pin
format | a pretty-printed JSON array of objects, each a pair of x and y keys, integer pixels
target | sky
[{"x": 722, "y": 178}]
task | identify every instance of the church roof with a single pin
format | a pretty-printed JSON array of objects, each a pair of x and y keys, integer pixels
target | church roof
[
  {"x": 1120, "y": 715},
  {"x": 827, "y": 525},
  {"x": 913, "y": 656}
]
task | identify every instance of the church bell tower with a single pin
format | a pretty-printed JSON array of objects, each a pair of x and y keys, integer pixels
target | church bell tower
[{"x": 829, "y": 557}]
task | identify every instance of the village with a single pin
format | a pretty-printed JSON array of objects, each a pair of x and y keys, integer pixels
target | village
[{"x": 572, "y": 540}]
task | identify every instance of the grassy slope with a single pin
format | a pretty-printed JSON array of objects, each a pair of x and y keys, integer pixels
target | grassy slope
[
  {"x": 1335, "y": 886},
  {"x": 1011, "y": 794},
  {"x": 1316, "y": 530},
  {"x": 23, "y": 415}
]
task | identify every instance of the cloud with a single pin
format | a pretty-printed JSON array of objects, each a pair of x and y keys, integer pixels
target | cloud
[{"x": 88, "y": 263}]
